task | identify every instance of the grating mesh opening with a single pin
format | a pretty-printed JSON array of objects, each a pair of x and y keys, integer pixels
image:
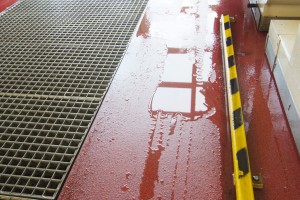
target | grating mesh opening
[{"x": 57, "y": 59}]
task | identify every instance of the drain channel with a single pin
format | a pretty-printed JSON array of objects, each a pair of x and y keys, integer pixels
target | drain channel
[{"x": 57, "y": 59}]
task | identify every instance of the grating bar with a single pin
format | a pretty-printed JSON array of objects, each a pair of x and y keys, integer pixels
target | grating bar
[{"x": 57, "y": 59}]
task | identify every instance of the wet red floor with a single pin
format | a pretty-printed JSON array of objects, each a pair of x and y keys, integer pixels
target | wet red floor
[
  {"x": 4, "y": 4},
  {"x": 161, "y": 131}
]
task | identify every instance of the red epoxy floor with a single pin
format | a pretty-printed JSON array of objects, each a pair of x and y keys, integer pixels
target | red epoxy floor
[
  {"x": 161, "y": 131},
  {"x": 4, "y": 4}
]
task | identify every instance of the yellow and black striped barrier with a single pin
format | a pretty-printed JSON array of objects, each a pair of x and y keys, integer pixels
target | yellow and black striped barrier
[{"x": 241, "y": 165}]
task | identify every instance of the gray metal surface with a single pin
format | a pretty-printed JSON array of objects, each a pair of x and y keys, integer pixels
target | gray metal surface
[
  {"x": 57, "y": 59},
  {"x": 284, "y": 88},
  {"x": 271, "y": 53}
]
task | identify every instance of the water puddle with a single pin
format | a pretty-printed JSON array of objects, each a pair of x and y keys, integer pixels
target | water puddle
[
  {"x": 181, "y": 88},
  {"x": 180, "y": 96},
  {"x": 150, "y": 176}
]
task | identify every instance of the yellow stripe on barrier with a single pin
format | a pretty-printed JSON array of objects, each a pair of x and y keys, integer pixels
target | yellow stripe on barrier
[{"x": 241, "y": 164}]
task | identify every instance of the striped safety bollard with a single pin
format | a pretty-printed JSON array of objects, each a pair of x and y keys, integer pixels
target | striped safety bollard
[{"x": 242, "y": 173}]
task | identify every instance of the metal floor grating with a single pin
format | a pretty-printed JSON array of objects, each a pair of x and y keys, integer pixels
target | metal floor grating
[{"x": 57, "y": 59}]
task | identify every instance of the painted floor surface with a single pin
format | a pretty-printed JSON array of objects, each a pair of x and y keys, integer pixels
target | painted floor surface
[
  {"x": 4, "y": 4},
  {"x": 161, "y": 131}
]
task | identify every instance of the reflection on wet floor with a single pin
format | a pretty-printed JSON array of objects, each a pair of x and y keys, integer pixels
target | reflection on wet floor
[
  {"x": 180, "y": 95},
  {"x": 172, "y": 100},
  {"x": 178, "y": 68},
  {"x": 180, "y": 90}
]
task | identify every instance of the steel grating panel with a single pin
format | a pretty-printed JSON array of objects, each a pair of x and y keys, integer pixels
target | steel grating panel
[{"x": 57, "y": 59}]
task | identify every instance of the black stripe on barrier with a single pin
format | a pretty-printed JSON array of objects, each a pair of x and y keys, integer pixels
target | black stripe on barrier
[
  {"x": 231, "y": 61},
  {"x": 242, "y": 157},
  {"x": 237, "y": 118},
  {"x": 227, "y": 25},
  {"x": 228, "y": 41},
  {"x": 234, "y": 86}
]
